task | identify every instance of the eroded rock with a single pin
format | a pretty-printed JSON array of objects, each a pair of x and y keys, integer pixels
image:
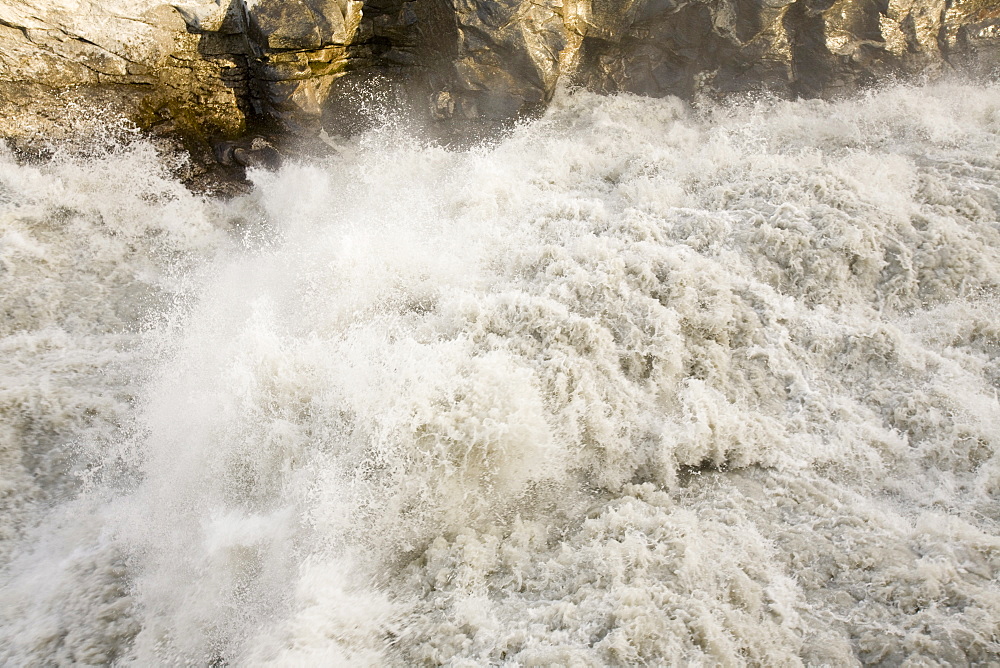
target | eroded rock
[
  {"x": 57, "y": 56},
  {"x": 206, "y": 69}
]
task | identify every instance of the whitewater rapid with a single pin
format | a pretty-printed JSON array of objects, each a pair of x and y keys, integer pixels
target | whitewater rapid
[{"x": 638, "y": 383}]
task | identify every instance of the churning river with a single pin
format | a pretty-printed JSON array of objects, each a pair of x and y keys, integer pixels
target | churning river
[{"x": 638, "y": 383}]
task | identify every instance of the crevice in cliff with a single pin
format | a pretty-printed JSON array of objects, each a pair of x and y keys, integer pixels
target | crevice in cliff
[
  {"x": 812, "y": 63},
  {"x": 84, "y": 40},
  {"x": 14, "y": 26}
]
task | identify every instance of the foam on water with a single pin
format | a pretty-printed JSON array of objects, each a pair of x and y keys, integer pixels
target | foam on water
[{"x": 637, "y": 383}]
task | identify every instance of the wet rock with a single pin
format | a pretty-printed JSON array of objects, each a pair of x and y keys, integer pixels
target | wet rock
[
  {"x": 249, "y": 152},
  {"x": 206, "y": 70},
  {"x": 260, "y": 154}
]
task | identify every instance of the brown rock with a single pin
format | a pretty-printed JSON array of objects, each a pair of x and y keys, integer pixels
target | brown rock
[{"x": 205, "y": 69}]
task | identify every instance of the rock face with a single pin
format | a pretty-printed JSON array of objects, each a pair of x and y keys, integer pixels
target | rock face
[
  {"x": 204, "y": 69},
  {"x": 60, "y": 57}
]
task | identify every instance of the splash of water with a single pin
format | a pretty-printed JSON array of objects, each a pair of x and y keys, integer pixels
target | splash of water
[{"x": 637, "y": 383}]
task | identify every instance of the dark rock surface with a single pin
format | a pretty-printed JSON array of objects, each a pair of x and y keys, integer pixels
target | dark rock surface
[{"x": 205, "y": 70}]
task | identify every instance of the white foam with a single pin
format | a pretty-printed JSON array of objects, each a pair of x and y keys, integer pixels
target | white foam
[{"x": 637, "y": 383}]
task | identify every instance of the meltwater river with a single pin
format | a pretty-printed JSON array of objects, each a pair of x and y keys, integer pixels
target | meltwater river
[{"x": 639, "y": 383}]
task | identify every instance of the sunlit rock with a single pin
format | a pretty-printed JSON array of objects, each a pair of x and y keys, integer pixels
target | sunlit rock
[{"x": 205, "y": 69}]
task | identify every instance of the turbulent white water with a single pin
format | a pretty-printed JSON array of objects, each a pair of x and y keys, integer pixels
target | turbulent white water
[{"x": 639, "y": 383}]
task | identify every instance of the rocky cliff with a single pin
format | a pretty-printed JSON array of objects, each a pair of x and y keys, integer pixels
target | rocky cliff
[{"x": 205, "y": 69}]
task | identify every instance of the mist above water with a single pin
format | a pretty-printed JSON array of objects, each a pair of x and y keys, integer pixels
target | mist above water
[{"x": 635, "y": 383}]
